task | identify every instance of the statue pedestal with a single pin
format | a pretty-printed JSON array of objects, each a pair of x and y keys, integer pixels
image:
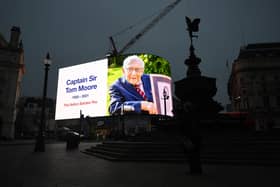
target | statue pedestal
[{"x": 197, "y": 92}]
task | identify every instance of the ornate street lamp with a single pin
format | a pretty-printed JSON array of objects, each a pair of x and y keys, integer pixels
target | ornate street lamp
[
  {"x": 165, "y": 97},
  {"x": 40, "y": 139}
]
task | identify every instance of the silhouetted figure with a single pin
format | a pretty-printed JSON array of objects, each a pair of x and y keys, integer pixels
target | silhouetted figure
[
  {"x": 191, "y": 141},
  {"x": 192, "y": 133}
]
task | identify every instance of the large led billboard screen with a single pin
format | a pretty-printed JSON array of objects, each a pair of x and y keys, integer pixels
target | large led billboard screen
[{"x": 137, "y": 83}]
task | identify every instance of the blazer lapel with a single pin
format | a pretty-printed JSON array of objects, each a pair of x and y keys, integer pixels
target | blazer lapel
[{"x": 147, "y": 86}]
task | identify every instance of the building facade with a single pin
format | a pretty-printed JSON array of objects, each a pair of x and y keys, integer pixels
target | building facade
[
  {"x": 29, "y": 116},
  {"x": 254, "y": 84},
  {"x": 11, "y": 72}
]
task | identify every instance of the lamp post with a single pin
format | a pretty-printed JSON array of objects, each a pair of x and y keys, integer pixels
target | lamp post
[
  {"x": 40, "y": 139},
  {"x": 165, "y": 97}
]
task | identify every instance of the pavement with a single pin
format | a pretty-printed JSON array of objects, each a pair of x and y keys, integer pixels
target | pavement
[{"x": 20, "y": 166}]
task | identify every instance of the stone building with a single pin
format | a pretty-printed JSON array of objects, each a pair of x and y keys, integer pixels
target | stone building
[
  {"x": 11, "y": 72},
  {"x": 254, "y": 84},
  {"x": 29, "y": 116}
]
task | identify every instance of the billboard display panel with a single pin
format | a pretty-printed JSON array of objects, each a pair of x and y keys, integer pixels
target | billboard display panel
[{"x": 105, "y": 87}]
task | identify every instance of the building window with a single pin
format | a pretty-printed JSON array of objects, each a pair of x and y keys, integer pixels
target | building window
[
  {"x": 266, "y": 101},
  {"x": 30, "y": 105},
  {"x": 241, "y": 80},
  {"x": 246, "y": 103}
]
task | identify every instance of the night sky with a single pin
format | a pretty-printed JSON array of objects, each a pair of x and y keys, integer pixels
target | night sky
[{"x": 76, "y": 32}]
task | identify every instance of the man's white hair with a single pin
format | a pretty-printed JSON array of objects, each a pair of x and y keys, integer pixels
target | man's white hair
[{"x": 133, "y": 58}]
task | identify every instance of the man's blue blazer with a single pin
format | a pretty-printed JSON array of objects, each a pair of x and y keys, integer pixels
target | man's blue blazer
[{"x": 124, "y": 96}]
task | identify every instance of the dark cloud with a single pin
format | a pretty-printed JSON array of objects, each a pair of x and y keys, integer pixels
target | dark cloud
[{"x": 77, "y": 31}]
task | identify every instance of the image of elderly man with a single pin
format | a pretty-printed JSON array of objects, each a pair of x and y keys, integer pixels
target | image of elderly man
[{"x": 132, "y": 92}]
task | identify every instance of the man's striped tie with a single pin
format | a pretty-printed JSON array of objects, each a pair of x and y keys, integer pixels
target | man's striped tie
[{"x": 141, "y": 92}]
